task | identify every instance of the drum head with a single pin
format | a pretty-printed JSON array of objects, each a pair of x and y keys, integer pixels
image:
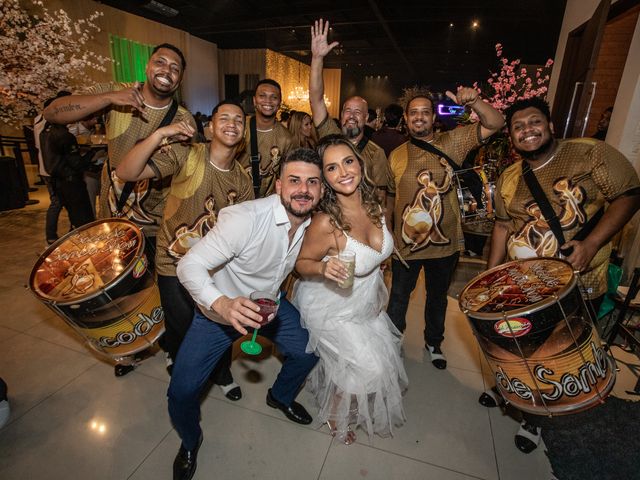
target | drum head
[
  {"x": 518, "y": 287},
  {"x": 86, "y": 261}
]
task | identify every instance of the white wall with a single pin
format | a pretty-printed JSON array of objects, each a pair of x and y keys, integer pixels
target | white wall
[
  {"x": 200, "y": 84},
  {"x": 624, "y": 129}
]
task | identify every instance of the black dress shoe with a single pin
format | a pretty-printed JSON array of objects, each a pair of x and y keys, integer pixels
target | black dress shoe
[
  {"x": 234, "y": 394},
  {"x": 294, "y": 412},
  {"x": 184, "y": 466}
]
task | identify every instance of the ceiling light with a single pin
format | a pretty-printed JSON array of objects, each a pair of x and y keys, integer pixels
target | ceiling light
[
  {"x": 475, "y": 24},
  {"x": 161, "y": 8}
]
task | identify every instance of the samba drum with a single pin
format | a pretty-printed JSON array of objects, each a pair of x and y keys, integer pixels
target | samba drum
[
  {"x": 96, "y": 278},
  {"x": 538, "y": 336}
]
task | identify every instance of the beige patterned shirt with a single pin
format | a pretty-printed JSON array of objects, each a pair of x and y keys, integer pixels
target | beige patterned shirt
[
  {"x": 124, "y": 128},
  {"x": 582, "y": 177},
  {"x": 199, "y": 190},
  {"x": 273, "y": 145},
  {"x": 426, "y": 212}
]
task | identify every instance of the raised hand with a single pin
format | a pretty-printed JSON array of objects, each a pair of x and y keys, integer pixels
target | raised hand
[
  {"x": 129, "y": 97},
  {"x": 464, "y": 96},
  {"x": 319, "y": 45},
  {"x": 179, "y": 131}
]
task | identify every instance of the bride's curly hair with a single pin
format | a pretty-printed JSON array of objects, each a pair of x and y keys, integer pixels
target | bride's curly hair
[{"x": 329, "y": 203}]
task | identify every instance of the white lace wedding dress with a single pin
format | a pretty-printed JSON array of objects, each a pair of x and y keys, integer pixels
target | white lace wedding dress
[{"x": 360, "y": 377}]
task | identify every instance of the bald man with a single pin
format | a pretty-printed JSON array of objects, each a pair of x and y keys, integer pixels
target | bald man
[{"x": 353, "y": 117}]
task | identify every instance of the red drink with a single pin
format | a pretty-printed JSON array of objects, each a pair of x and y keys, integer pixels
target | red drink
[{"x": 267, "y": 308}]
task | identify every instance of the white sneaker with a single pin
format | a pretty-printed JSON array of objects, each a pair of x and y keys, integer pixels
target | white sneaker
[{"x": 437, "y": 357}]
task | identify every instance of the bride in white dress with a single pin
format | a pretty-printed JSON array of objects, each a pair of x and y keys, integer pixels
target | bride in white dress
[{"x": 360, "y": 378}]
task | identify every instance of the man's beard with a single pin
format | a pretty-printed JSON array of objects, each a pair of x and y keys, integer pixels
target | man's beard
[
  {"x": 298, "y": 213},
  {"x": 351, "y": 132},
  {"x": 534, "y": 154}
]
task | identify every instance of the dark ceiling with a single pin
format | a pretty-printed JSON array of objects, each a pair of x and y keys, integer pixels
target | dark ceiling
[{"x": 410, "y": 42}]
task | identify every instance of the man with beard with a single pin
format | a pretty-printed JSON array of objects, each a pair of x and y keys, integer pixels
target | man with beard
[
  {"x": 132, "y": 112},
  {"x": 274, "y": 139},
  {"x": 353, "y": 117},
  {"x": 205, "y": 179},
  {"x": 252, "y": 247},
  {"x": 578, "y": 177},
  {"x": 424, "y": 206}
]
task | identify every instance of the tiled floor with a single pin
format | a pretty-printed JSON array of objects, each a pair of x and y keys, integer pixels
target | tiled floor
[{"x": 73, "y": 419}]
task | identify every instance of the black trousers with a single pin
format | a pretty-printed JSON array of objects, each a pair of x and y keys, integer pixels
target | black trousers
[
  {"x": 178, "y": 309},
  {"x": 438, "y": 273},
  {"x": 72, "y": 193}
]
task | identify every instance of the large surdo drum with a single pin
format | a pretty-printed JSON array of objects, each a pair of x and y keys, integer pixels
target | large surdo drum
[
  {"x": 537, "y": 334},
  {"x": 96, "y": 278}
]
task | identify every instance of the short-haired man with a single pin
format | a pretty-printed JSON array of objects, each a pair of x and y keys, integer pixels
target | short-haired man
[
  {"x": 578, "y": 177},
  {"x": 253, "y": 247},
  {"x": 205, "y": 179},
  {"x": 425, "y": 208},
  {"x": 274, "y": 139},
  {"x": 132, "y": 112},
  {"x": 353, "y": 117}
]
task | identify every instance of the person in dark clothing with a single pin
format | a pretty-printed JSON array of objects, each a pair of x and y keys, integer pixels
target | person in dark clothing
[
  {"x": 66, "y": 165},
  {"x": 389, "y": 137},
  {"x": 603, "y": 124}
]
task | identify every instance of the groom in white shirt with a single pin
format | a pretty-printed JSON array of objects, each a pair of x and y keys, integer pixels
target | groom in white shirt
[{"x": 252, "y": 247}]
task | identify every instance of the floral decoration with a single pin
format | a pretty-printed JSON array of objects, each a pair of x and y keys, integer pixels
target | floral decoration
[{"x": 41, "y": 51}]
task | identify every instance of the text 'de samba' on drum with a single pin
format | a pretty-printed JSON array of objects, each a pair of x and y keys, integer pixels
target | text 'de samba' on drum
[{"x": 538, "y": 336}]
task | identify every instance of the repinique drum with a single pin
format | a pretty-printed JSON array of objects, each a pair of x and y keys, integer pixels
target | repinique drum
[
  {"x": 471, "y": 211},
  {"x": 96, "y": 278},
  {"x": 538, "y": 336}
]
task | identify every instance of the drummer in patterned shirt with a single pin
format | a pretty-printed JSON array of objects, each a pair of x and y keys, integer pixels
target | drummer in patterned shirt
[
  {"x": 206, "y": 178},
  {"x": 425, "y": 209},
  {"x": 578, "y": 177},
  {"x": 274, "y": 139},
  {"x": 353, "y": 117}
]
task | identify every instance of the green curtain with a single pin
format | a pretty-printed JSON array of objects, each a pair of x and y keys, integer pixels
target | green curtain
[{"x": 129, "y": 59}]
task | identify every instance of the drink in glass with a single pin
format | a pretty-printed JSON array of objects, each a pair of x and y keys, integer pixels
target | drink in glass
[{"x": 348, "y": 259}]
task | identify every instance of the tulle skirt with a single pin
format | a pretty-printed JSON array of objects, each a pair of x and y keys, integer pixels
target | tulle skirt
[{"x": 360, "y": 378}]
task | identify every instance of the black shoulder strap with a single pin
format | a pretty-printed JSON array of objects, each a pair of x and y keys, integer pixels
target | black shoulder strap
[
  {"x": 255, "y": 157},
  {"x": 435, "y": 150},
  {"x": 550, "y": 214},
  {"x": 543, "y": 202},
  {"x": 362, "y": 144},
  {"x": 128, "y": 186}
]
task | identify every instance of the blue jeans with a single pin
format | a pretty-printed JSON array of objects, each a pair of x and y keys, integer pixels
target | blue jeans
[
  {"x": 203, "y": 346},
  {"x": 438, "y": 273}
]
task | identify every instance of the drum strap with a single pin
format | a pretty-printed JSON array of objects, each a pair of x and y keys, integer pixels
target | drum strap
[
  {"x": 128, "y": 186},
  {"x": 550, "y": 214},
  {"x": 466, "y": 173},
  {"x": 255, "y": 158}
]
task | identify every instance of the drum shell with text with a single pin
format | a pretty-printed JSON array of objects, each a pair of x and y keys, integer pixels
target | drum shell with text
[
  {"x": 96, "y": 278},
  {"x": 537, "y": 335}
]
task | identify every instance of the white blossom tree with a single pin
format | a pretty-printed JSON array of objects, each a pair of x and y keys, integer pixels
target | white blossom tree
[{"x": 40, "y": 52}]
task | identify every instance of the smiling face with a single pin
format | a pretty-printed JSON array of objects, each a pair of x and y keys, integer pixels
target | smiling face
[
  {"x": 420, "y": 118},
  {"x": 305, "y": 128},
  {"x": 353, "y": 117},
  {"x": 341, "y": 169},
  {"x": 227, "y": 125},
  {"x": 300, "y": 188},
  {"x": 531, "y": 132},
  {"x": 267, "y": 101},
  {"x": 164, "y": 72}
]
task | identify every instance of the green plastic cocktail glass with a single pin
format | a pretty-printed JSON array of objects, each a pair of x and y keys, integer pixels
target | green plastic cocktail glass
[{"x": 268, "y": 303}]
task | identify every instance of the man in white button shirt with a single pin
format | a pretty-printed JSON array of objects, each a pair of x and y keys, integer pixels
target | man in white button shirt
[{"x": 252, "y": 247}]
